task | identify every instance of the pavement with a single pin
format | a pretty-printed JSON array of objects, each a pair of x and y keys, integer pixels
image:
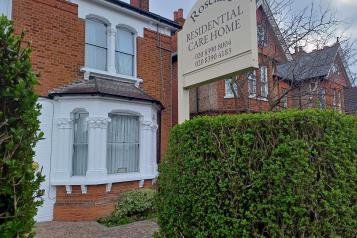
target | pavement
[{"x": 142, "y": 229}]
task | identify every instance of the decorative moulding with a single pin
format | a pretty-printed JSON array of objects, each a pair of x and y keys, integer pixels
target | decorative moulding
[
  {"x": 109, "y": 187},
  {"x": 69, "y": 189},
  {"x": 65, "y": 123},
  {"x": 84, "y": 189},
  {"x": 98, "y": 122}
]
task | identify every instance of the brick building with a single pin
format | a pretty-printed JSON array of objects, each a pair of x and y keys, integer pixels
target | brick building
[
  {"x": 107, "y": 88},
  {"x": 283, "y": 80},
  {"x": 350, "y": 100}
]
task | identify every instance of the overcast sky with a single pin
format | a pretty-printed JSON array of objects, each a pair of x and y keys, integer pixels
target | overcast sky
[{"x": 346, "y": 10}]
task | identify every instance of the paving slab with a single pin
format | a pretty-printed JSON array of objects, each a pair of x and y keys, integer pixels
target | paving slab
[{"x": 142, "y": 229}]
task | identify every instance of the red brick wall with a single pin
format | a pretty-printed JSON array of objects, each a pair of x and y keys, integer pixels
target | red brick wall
[
  {"x": 158, "y": 77},
  {"x": 97, "y": 203},
  {"x": 57, "y": 36},
  {"x": 58, "y": 40}
]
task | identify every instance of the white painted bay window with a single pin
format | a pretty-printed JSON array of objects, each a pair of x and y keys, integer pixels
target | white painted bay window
[
  {"x": 264, "y": 82},
  {"x": 80, "y": 144},
  {"x": 124, "y": 52},
  {"x": 6, "y": 8},
  {"x": 123, "y": 144},
  {"x": 96, "y": 44}
]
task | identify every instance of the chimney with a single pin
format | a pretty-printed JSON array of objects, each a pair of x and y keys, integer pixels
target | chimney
[
  {"x": 301, "y": 49},
  {"x": 142, "y": 4},
  {"x": 178, "y": 17},
  {"x": 296, "y": 49}
]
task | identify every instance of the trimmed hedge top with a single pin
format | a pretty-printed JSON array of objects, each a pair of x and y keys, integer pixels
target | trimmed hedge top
[{"x": 286, "y": 174}]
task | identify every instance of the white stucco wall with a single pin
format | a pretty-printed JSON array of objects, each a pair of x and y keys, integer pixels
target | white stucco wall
[{"x": 43, "y": 157}]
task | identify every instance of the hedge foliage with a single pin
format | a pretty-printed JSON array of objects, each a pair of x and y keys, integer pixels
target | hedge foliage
[
  {"x": 132, "y": 206},
  {"x": 19, "y": 175},
  {"x": 288, "y": 174}
]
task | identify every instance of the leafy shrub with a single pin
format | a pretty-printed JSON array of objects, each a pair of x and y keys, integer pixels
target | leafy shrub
[
  {"x": 19, "y": 181},
  {"x": 132, "y": 206},
  {"x": 288, "y": 174}
]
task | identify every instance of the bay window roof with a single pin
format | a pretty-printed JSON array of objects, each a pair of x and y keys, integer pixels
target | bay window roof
[{"x": 105, "y": 87}]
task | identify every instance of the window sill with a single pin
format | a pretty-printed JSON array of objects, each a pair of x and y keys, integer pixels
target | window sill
[
  {"x": 229, "y": 97},
  {"x": 88, "y": 72},
  {"x": 258, "y": 98},
  {"x": 115, "y": 178}
]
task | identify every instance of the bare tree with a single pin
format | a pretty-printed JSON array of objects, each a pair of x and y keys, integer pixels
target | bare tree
[{"x": 314, "y": 27}]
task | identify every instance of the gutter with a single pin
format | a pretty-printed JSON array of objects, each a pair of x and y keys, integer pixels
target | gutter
[{"x": 53, "y": 95}]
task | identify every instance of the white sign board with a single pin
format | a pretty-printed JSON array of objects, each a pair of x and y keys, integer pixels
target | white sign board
[{"x": 219, "y": 39}]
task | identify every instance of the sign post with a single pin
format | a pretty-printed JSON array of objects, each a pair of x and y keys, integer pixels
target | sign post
[{"x": 218, "y": 40}]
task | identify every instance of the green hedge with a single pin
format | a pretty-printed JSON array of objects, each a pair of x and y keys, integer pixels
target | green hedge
[
  {"x": 20, "y": 178},
  {"x": 135, "y": 205},
  {"x": 288, "y": 174}
]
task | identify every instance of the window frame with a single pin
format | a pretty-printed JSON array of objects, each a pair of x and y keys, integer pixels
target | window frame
[
  {"x": 103, "y": 21},
  {"x": 284, "y": 99},
  {"x": 262, "y": 36},
  {"x": 228, "y": 89},
  {"x": 138, "y": 117},
  {"x": 264, "y": 85},
  {"x": 73, "y": 115},
  {"x": 134, "y": 36},
  {"x": 252, "y": 84}
]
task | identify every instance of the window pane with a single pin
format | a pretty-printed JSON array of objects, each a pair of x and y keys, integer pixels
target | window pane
[
  {"x": 264, "y": 81},
  {"x": 252, "y": 84},
  {"x": 80, "y": 145},
  {"x": 123, "y": 144},
  {"x": 96, "y": 33},
  {"x": 124, "y": 63},
  {"x": 5, "y": 7},
  {"x": 125, "y": 42},
  {"x": 96, "y": 57},
  {"x": 229, "y": 92}
]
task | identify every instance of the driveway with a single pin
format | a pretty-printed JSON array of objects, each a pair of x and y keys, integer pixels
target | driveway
[{"x": 143, "y": 229}]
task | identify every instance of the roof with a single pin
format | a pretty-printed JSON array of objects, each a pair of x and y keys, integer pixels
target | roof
[
  {"x": 316, "y": 64},
  {"x": 104, "y": 87},
  {"x": 351, "y": 100},
  {"x": 145, "y": 13}
]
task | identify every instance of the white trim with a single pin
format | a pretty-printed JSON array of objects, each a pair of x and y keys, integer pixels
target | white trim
[
  {"x": 135, "y": 36},
  {"x": 84, "y": 189},
  {"x": 258, "y": 98},
  {"x": 108, "y": 187},
  {"x": 100, "y": 73},
  {"x": 110, "y": 179}
]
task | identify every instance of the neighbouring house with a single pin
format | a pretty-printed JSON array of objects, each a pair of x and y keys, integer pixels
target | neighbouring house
[
  {"x": 107, "y": 91},
  {"x": 350, "y": 99},
  {"x": 283, "y": 80},
  {"x": 316, "y": 79}
]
